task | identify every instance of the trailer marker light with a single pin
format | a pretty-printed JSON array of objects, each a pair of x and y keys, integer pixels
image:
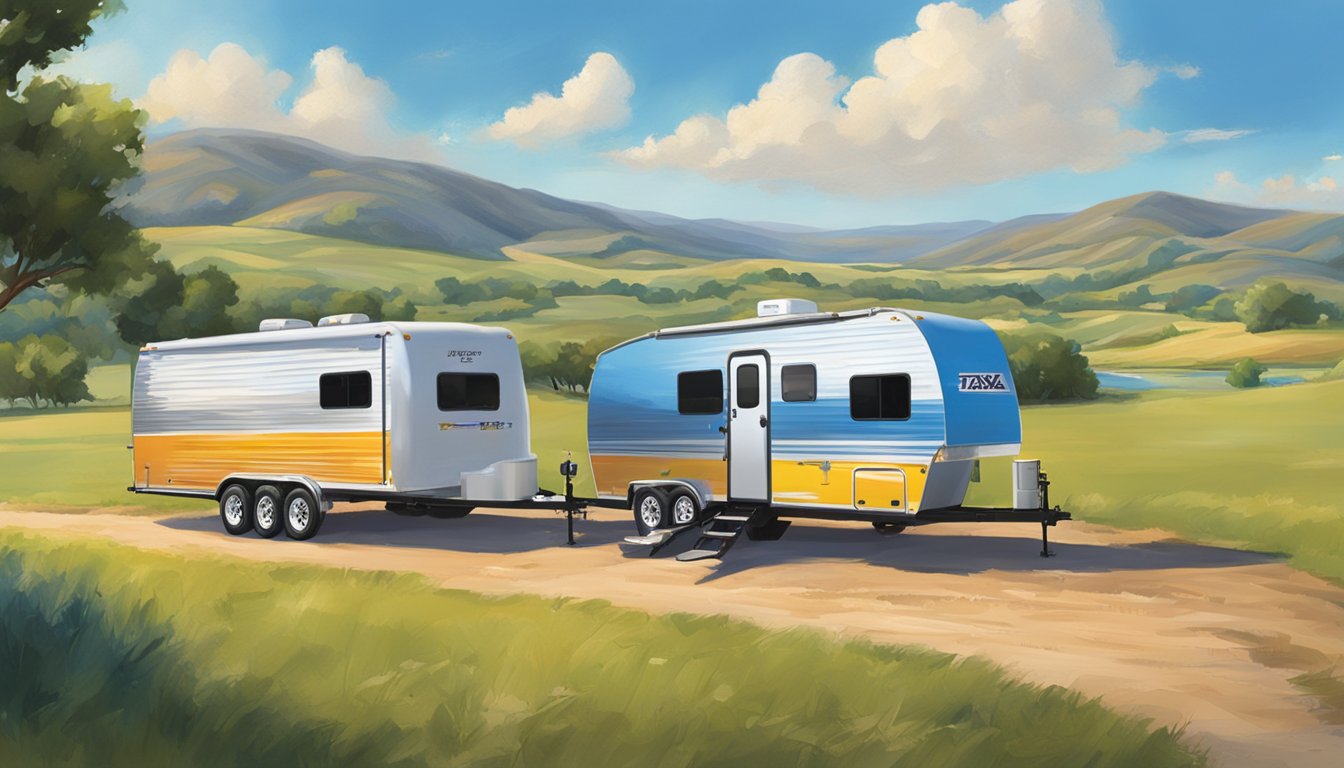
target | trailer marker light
[{"x": 406, "y": 336}]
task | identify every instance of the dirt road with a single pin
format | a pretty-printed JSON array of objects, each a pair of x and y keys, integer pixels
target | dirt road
[{"x": 1182, "y": 633}]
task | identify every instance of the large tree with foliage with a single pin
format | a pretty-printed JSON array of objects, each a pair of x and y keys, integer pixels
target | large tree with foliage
[{"x": 65, "y": 148}]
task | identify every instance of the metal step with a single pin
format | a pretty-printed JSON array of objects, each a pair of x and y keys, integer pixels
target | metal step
[
  {"x": 657, "y": 539},
  {"x": 720, "y": 534},
  {"x": 698, "y": 554}
]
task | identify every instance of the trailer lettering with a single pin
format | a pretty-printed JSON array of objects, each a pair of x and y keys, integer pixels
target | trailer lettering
[
  {"x": 981, "y": 382},
  {"x": 464, "y": 356}
]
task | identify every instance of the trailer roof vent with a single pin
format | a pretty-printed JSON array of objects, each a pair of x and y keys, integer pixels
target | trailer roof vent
[
  {"x": 283, "y": 324},
  {"x": 351, "y": 318},
  {"x": 774, "y": 307}
]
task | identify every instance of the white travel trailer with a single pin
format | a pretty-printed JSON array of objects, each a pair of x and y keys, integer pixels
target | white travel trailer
[{"x": 278, "y": 424}]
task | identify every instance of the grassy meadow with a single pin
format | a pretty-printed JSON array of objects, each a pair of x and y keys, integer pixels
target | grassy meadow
[
  {"x": 113, "y": 656},
  {"x": 1252, "y": 468}
]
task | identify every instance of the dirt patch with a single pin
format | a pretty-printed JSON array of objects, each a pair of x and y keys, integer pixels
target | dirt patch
[{"x": 1235, "y": 645}]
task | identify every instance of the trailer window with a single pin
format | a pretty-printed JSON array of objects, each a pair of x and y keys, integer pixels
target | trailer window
[
  {"x": 798, "y": 383},
  {"x": 700, "y": 392},
  {"x": 345, "y": 390},
  {"x": 885, "y": 397},
  {"x": 748, "y": 386},
  {"x": 468, "y": 392}
]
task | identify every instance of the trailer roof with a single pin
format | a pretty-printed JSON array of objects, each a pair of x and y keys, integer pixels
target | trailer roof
[
  {"x": 751, "y": 323},
  {"x": 354, "y": 330}
]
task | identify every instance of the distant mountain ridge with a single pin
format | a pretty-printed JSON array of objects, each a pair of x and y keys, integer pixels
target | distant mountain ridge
[{"x": 216, "y": 177}]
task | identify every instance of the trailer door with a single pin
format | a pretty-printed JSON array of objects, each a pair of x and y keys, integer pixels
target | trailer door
[{"x": 749, "y": 426}]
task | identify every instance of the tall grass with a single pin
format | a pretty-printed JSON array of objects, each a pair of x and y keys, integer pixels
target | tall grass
[{"x": 112, "y": 656}]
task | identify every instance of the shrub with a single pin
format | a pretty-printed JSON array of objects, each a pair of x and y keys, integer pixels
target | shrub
[
  {"x": 1049, "y": 367},
  {"x": 38, "y": 368},
  {"x": 1273, "y": 306},
  {"x": 1246, "y": 374}
]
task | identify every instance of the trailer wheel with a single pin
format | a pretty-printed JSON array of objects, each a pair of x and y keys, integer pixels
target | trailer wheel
[
  {"x": 684, "y": 507},
  {"x": 449, "y": 512},
  {"x": 889, "y": 529},
  {"x": 651, "y": 510},
  {"x": 235, "y": 509},
  {"x": 302, "y": 516},
  {"x": 266, "y": 516}
]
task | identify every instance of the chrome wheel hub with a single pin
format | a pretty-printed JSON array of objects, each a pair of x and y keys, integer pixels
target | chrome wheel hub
[
  {"x": 683, "y": 511},
  {"x": 233, "y": 510},
  {"x": 650, "y": 512},
  {"x": 266, "y": 512},
  {"x": 299, "y": 514}
]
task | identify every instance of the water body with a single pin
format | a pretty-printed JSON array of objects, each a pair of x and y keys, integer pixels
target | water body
[{"x": 1142, "y": 381}]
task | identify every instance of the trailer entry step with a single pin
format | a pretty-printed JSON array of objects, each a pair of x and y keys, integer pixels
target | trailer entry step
[{"x": 721, "y": 532}]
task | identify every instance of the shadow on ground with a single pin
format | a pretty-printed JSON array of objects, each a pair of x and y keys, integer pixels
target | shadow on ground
[
  {"x": 940, "y": 549},
  {"x": 481, "y": 531},
  {"x": 934, "y": 549}
]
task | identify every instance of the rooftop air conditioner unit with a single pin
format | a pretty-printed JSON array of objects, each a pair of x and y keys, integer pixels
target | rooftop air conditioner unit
[
  {"x": 775, "y": 307},
  {"x": 283, "y": 324},
  {"x": 351, "y": 318}
]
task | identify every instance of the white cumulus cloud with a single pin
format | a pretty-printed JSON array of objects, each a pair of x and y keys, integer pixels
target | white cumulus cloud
[
  {"x": 965, "y": 99},
  {"x": 1333, "y": 158},
  {"x": 1320, "y": 193},
  {"x": 341, "y": 105},
  {"x": 597, "y": 98}
]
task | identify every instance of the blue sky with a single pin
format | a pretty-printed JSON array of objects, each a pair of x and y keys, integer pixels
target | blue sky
[{"x": 948, "y": 132}]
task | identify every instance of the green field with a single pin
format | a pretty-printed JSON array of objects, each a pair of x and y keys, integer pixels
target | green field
[
  {"x": 1257, "y": 469},
  {"x": 1116, "y": 338},
  {"x": 115, "y": 656}
]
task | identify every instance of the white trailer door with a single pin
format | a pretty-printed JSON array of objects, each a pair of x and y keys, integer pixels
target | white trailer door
[{"x": 749, "y": 426}]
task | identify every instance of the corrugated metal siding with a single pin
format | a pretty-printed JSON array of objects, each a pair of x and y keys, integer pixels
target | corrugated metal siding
[{"x": 258, "y": 388}]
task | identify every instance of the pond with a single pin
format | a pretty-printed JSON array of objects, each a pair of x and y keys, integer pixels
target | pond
[{"x": 1140, "y": 381}]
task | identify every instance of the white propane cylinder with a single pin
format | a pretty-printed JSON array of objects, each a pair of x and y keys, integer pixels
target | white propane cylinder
[{"x": 1026, "y": 489}]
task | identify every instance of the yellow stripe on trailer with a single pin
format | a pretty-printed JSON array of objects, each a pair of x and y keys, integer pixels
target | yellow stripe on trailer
[{"x": 202, "y": 461}]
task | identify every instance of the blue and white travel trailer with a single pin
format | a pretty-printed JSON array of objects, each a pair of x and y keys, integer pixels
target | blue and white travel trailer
[{"x": 877, "y": 415}]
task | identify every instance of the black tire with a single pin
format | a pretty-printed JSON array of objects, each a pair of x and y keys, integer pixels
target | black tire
[
  {"x": 404, "y": 509},
  {"x": 651, "y": 504},
  {"x": 449, "y": 513},
  {"x": 889, "y": 529},
  {"x": 235, "y": 509},
  {"x": 683, "y": 509},
  {"x": 266, "y": 515},
  {"x": 301, "y": 515}
]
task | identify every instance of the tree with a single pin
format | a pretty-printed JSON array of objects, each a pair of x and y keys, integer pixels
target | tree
[
  {"x": 1246, "y": 374},
  {"x": 1048, "y": 367},
  {"x": 1273, "y": 306},
  {"x": 65, "y": 149},
  {"x": 1188, "y": 297},
  {"x": 38, "y": 368},
  {"x": 164, "y": 304}
]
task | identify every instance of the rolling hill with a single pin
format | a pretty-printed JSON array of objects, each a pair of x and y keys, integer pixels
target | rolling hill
[
  {"x": 257, "y": 181},
  {"x": 215, "y": 177}
]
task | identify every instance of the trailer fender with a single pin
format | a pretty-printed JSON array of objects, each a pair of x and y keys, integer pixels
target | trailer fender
[
  {"x": 700, "y": 489},
  {"x": 307, "y": 482}
]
